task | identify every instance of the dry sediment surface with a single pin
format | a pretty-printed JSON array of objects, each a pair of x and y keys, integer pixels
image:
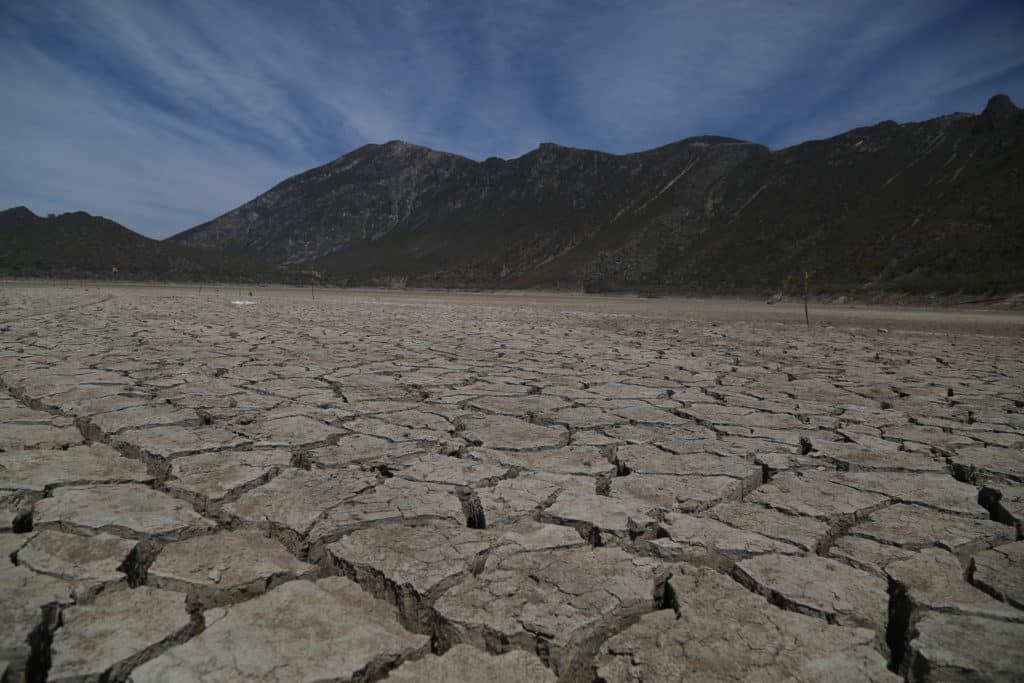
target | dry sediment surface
[{"x": 374, "y": 485}]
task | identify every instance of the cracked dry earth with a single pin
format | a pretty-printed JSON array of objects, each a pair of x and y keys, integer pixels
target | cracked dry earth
[{"x": 364, "y": 488}]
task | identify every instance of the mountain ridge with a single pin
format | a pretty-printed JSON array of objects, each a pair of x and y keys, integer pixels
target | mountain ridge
[
  {"x": 931, "y": 204},
  {"x": 78, "y": 244}
]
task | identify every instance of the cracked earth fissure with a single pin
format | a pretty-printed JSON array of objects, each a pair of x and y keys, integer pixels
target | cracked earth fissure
[{"x": 292, "y": 454}]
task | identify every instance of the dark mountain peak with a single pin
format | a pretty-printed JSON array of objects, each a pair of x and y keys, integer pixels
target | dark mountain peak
[
  {"x": 392, "y": 149},
  {"x": 552, "y": 151},
  {"x": 552, "y": 154},
  {"x": 687, "y": 146},
  {"x": 709, "y": 140},
  {"x": 77, "y": 220},
  {"x": 999, "y": 108},
  {"x": 17, "y": 213},
  {"x": 547, "y": 150},
  {"x": 400, "y": 149},
  {"x": 77, "y": 244}
]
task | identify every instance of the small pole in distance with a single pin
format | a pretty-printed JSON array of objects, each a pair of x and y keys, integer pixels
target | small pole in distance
[{"x": 807, "y": 283}]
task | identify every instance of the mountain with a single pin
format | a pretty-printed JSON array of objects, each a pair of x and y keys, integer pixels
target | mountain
[
  {"x": 401, "y": 210},
  {"x": 80, "y": 245},
  {"x": 930, "y": 206}
]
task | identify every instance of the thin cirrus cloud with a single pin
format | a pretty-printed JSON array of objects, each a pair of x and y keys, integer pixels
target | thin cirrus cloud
[{"x": 163, "y": 115}]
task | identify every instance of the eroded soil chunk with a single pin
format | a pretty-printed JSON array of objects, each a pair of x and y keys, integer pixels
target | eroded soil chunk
[
  {"x": 722, "y": 632},
  {"x": 299, "y": 631}
]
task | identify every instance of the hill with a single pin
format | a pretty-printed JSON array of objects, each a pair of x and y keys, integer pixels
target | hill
[{"x": 80, "y": 245}]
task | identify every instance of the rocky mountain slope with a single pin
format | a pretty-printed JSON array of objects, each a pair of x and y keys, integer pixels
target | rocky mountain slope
[
  {"x": 80, "y": 245},
  {"x": 931, "y": 206},
  {"x": 924, "y": 206}
]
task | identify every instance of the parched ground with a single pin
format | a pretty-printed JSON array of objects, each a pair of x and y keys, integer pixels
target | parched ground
[{"x": 508, "y": 487}]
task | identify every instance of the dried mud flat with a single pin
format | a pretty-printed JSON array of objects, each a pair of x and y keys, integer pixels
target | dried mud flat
[{"x": 426, "y": 486}]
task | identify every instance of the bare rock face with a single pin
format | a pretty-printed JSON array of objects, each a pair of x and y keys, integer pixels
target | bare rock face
[
  {"x": 299, "y": 631},
  {"x": 409, "y": 171},
  {"x": 112, "y": 635},
  {"x": 752, "y": 639}
]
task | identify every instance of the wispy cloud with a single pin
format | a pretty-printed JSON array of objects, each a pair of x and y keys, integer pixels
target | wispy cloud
[{"x": 162, "y": 115}]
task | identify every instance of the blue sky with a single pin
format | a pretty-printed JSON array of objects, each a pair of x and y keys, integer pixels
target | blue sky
[{"x": 165, "y": 114}]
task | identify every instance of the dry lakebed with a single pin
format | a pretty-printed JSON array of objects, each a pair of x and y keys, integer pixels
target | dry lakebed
[{"x": 223, "y": 484}]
